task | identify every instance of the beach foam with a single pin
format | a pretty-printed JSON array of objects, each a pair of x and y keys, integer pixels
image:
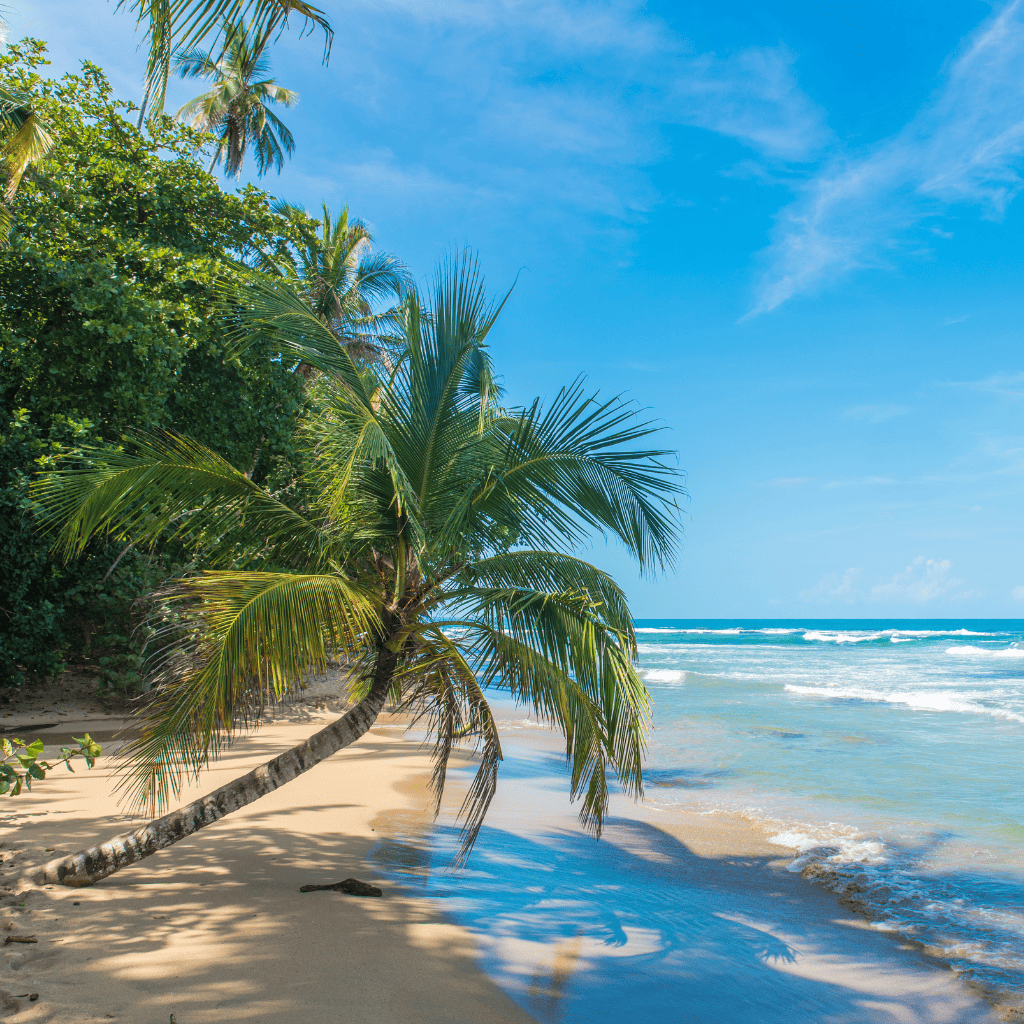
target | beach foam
[{"x": 924, "y": 700}]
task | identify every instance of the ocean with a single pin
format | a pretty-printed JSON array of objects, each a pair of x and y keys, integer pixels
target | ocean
[
  {"x": 884, "y": 758},
  {"x": 889, "y": 753}
]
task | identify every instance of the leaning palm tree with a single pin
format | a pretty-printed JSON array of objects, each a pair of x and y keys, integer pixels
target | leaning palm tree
[
  {"x": 437, "y": 559},
  {"x": 236, "y": 110},
  {"x": 173, "y": 25},
  {"x": 335, "y": 272},
  {"x": 24, "y": 140}
]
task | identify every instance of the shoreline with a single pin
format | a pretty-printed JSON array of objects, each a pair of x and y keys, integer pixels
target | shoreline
[{"x": 189, "y": 929}]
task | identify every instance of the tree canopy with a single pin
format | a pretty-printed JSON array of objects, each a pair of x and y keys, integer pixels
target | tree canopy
[{"x": 119, "y": 242}]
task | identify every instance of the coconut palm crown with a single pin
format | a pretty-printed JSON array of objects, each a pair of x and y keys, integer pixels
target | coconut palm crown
[
  {"x": 438, "y": 556},
  {"x": 335, "y": 271},
  {"x": 236, "y": 110},
  {"x": 173, "y": 25}
]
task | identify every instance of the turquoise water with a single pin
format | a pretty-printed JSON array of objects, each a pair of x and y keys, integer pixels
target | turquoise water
[{"x": 887, "y": 752}]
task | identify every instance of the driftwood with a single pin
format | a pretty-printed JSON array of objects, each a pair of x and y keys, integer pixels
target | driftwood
[
  {"x": 19, "y": 938},
  {"x": 351, "y": 885}
]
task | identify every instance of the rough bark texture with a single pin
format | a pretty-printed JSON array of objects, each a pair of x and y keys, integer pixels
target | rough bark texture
[{"x": 89, "y": 866}]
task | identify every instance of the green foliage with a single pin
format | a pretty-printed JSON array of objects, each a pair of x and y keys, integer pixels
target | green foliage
[
  {"x": 108, "y": 297},
  {"x": 15, "y": 754}
]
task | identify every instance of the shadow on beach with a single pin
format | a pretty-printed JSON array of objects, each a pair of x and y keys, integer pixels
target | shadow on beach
[
  {"x": 215, "y": 928},
  {"x": 640, "y": 928}
]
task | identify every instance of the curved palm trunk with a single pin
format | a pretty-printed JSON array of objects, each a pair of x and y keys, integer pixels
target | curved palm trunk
[{"x": 89, "y": 866}]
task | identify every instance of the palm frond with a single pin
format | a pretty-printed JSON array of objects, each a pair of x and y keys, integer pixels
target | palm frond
[
  {"x": 171, "y": 486},
  {"x": 555, "y": 652},
  {"x": 236, "y": 642},
  {"x": 571, "y": 468},
  {"x": 445, "y": 693}
]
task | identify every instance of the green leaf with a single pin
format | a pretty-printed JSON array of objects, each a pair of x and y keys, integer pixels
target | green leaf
[{"x": 36, "y": 772}]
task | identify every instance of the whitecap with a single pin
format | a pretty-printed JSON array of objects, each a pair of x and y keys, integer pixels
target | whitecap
[
  {"x": 828, "y": 637},
  {"x": 969, "y": 651},
  {"x": 921, "y": 700},
  {"x": 663, "y": 675}
]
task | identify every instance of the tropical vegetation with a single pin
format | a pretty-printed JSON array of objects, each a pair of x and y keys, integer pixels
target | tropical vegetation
[
  {"x": 260, "y": 451},
  {"x": 174, "y": 25}
]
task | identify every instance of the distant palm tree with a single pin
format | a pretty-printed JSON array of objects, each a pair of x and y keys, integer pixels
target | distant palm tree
[
  {"x": 235, "y": 109},
  {"x": 337, "y": 275},
  {"x": 184, "y": 24}
]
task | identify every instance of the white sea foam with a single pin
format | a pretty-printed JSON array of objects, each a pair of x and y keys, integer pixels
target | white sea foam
[
  {"x": 663, "y": 675},
  {"x": 832, "y": 844},
  {"x": 922, "y": 700},
  {"x": 969, "y": 651},
  {"x": 828, "y": 637},
  {"x": 882, "y": 882},
  {"x": 858, "y": 636}
]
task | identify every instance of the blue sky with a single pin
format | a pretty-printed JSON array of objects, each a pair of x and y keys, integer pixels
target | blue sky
[{"x": 791, "y": 229}]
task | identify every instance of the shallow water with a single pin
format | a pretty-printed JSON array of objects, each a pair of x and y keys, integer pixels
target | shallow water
[
  {"x": 888, "y": 753},
  {"x": 882, "y": 757}
]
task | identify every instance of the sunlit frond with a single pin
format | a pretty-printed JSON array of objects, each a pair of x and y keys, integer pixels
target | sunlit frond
[
  {"x": 238, "y": 641},
  {"x": 444, "y": 692},
  {"x": 170, "y": 486}
]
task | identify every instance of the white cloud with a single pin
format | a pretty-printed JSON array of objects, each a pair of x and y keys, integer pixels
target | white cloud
[
  {"x": 964, "y": 146},
  {"x": 875, "y": 413},
  {"x": 786, "y": 481},
  {"x": 862, "y": 481},
  {"x": 832, "y": 587},
  {"x": 923, "y": 580},
  {"x": 1008, "y": 385},
  {"x": 1017, "y": 593}
]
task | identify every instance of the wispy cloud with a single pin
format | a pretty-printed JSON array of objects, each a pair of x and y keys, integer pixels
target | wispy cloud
[
  {"x": 833, "y": 587},
  {"x": 964, "y": 146},
  {"x": 559, "y": 106},
  {"x": 1009, "y": 385},
  {"x": 875, "y": 413},
  {"x": 922, "y": 581}
]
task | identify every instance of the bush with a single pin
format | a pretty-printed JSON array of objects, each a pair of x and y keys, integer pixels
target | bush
[{"x": 108, "y": 324}]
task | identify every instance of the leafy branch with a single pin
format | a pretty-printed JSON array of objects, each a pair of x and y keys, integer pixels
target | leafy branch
[{"x": 26, "y": 755}]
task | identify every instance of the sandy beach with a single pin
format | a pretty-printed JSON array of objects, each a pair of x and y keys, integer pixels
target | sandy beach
[{"x": 215, "y": 929}]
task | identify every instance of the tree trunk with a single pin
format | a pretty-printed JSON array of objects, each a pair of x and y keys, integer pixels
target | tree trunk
[{"x": 89, "y": 866}]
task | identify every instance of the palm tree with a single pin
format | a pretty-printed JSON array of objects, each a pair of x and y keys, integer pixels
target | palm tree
[
  {"x": 437, "y": 558},
  {"x": 235, "y": 109},
  {"x": 337, "y": 275},
  {"x": 173, "y": 25},
  {"x": 24, "y": 140}
]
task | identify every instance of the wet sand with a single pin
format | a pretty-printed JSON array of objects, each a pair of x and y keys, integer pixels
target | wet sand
[{"x": 669, "y": 918}]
